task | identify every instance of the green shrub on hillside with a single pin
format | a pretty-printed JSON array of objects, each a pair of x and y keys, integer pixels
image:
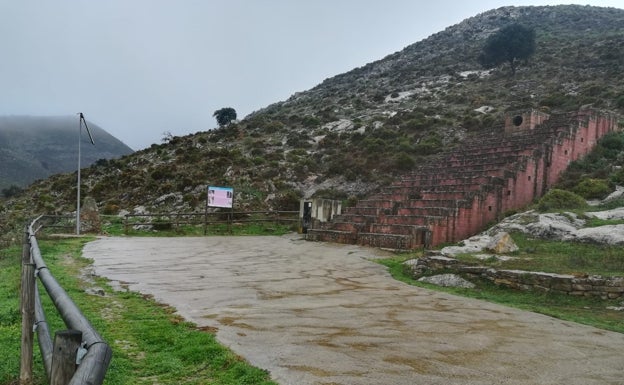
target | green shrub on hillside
[
  {"x": 556, "y": 199},
  {"x": 589, "y": 188}
]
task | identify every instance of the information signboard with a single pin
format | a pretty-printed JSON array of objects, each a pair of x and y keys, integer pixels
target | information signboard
[{"x": 220, "y": 196}]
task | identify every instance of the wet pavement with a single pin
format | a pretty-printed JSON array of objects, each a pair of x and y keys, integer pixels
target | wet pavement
[{"x": 314, "y": 313}]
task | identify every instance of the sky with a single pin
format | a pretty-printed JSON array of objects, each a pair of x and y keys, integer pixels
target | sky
[{"x": 144, "y": 68}]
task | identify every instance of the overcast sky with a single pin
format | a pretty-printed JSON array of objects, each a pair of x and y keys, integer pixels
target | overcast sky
[{"x": 139, "y": 68}]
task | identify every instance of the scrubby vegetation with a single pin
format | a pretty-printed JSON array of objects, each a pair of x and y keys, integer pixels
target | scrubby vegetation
[
  {"x": 362, "y": 129},
  {"x": 596, "y": 175},
  {"x": 556, "y": 199}
]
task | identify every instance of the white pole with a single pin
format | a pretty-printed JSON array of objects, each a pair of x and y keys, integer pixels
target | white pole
[{"x": 78, "y": 190}]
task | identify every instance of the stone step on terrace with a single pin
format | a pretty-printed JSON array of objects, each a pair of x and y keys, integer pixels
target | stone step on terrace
[
  {"x": 512, "y": 150},
  {"x": 399, "y": 229},
  {"x": 449, "y": 203},
  {"x": 385, "y": 241},
  {"x": 518, "y": 146},
  {"x": 441, "y": 183},
  {"x": 377, "y": 203},
  {"x": 451, "y": 184},
  {"x": 488, "y": 144},
  {"x": 426, "y": 211},
  {"x": 521, "y": 142},
  {"x": 398, "y": 200},
  {"x": 333, "y": 236},
  {"x": 391, "y": 241},
  {"x": 358, "y": 210},
  {"x": 428, "y": 182},
  {"x": 525, "y": 138},
  {"x": 406, "y": 193},
  {"x": 349, "y": 226},
  {"x": 355, "y": 217},
  {"x": 483, "y": 167},
  {"x": 442, "y": 189},
  {"x": 448, "y": 195},
  {"x": 453, "y": 192},
  {"x": 484, "y": 159},
  {"x": 494, "y": 159},
  {"x": 412, "y": 220},
  {"x": 455, "y": 177}
]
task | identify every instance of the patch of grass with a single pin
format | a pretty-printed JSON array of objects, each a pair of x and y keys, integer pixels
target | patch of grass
[
  {"x": 597, "y": 222},
  {"x": 250, "y": 226},
  {"x": 559, "y": 257},
  {"x": 151, "y": 344},
  {"x": 610, "y": 205},
  {"x": 588, "y": 311}
]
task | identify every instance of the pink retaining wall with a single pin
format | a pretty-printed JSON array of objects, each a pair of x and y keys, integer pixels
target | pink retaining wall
[{"x": 539, "y": 174}]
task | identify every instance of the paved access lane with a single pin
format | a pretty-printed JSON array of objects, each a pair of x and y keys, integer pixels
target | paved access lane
[{"x": 313, "y": 313}]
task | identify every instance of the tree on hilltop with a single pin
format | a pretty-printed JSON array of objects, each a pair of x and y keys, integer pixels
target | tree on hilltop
[
  {"x": 510, "y": 44},
  {"x": 225, "y": 116}
]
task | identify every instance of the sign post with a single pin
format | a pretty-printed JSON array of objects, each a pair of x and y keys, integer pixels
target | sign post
[{"x": 222, "y": 197}]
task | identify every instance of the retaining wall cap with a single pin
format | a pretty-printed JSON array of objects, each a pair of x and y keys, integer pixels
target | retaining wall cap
[
  {"x": 538, "y": 273},
  {"x": 442, "y": 258}
]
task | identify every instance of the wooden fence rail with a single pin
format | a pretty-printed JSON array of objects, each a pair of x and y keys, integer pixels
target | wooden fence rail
[
  {"x": 176, "y": 219},
  {"x": 64, "y": 362}
]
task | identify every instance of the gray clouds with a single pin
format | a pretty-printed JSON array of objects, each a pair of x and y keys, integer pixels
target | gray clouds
[{"x": 138, "y": 68}]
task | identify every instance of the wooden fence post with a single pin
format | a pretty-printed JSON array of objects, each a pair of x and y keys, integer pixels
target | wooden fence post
[
  {"x": 28, "y": 313},
  {"x": 66, "y": 345}
]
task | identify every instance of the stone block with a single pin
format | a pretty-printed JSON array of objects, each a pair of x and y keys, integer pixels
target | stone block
[{"x": 581, "y": 287}]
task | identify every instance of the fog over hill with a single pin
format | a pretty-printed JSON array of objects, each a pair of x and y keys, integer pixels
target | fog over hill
[{"x": 36, "y": 147}]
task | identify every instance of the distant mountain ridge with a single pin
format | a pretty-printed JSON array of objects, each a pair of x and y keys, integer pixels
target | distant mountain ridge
[{"x": 35, "y": 147}]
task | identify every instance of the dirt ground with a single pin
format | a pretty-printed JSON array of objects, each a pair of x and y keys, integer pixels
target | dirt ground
[{"x": 314, "y": 313}]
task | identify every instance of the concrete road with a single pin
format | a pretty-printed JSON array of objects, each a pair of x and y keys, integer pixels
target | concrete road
[{"x": 314, "y": 313}]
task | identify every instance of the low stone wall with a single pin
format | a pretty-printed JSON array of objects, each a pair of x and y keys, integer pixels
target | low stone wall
[{"x": 588, "y": 286}]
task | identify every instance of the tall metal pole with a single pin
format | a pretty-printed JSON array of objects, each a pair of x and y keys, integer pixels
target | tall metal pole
[{"x": 78, "y": 189}]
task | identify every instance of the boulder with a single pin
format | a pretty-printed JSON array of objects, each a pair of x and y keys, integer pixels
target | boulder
[
  {"x": 448, "y": 280},
  {"x": 606, "y": 235},
  {"x": 90, "y": 217},
  {"x": 502, "y": 243}
]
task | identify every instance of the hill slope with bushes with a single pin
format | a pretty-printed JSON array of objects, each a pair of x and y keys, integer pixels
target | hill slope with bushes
[{"x": 357, "y": 131}]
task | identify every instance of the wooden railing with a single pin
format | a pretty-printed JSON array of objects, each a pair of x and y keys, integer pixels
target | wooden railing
[
  {"x": 78, "y": 356},
  {"x": 175, "y": 220}
]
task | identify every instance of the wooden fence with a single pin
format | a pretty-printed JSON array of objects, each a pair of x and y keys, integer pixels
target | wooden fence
[
  {"x": 78, "y": 356},
  {"x": 228, "y": 218}
]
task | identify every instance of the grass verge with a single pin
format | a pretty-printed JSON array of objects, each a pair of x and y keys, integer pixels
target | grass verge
[
  {"x": 115, "y": 226},
  {"x": 588, "y": 311},
  {"x": 151, "y": 344},
  {"x": 558, "y": 257}
]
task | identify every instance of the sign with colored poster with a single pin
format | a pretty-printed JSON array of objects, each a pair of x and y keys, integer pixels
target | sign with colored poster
[{"x": 220, "y": 196}]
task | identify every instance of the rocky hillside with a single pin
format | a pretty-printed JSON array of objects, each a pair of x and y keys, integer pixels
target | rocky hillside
[
  {"x": 36, "y": 147},
  {"x": 358, "y": 130}
]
